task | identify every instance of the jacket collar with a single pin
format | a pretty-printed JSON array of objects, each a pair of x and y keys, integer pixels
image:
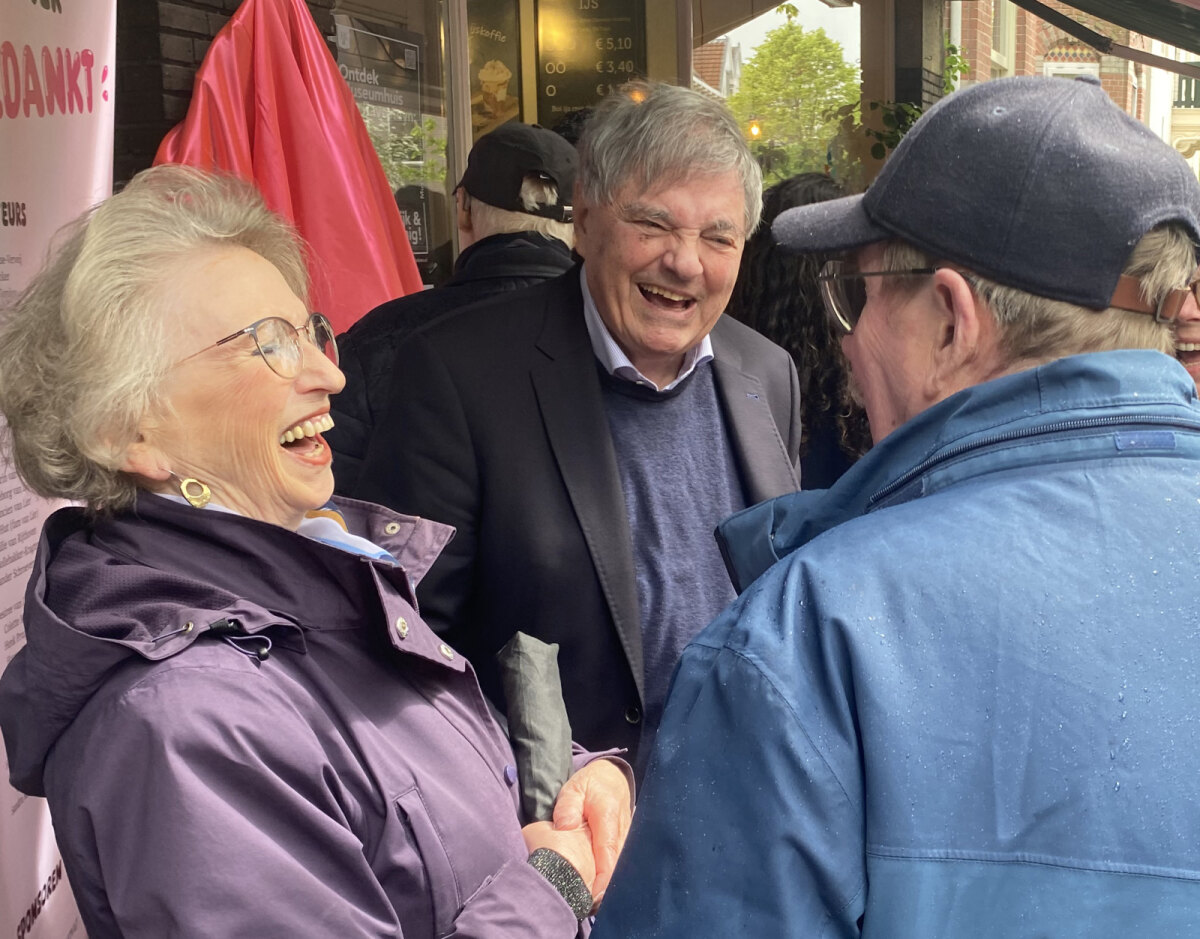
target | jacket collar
[
  {"x": 528, "y": 255},
  {"x": 197, "y": 566},
  {"x": 1027, "y": 403},
  {"x": 148, "y": 583},
  {"x": 563, "y": 333}
]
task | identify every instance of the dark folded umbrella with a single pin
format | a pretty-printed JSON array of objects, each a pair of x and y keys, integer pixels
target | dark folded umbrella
[{"x": 537, "y": 722}]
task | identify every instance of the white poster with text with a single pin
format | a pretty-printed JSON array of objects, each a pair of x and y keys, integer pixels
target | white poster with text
[{"x": 57, "y": 85}]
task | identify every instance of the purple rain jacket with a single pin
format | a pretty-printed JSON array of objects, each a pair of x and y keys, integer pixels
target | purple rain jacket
[{"x": 350, "y": 782}]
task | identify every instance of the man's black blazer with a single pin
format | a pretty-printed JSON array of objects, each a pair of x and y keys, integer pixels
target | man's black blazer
[{"x": 497, "y": 427}]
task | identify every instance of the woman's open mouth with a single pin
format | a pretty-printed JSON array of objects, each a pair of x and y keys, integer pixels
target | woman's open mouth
[
  {"x": 304, "y": 439},
  {"x": 1188, "y": 354}
]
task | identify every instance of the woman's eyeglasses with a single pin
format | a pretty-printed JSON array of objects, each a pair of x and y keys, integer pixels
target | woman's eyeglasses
[
  {"x": 844, "y": 290},
  {"x": 278, "y": 342}
]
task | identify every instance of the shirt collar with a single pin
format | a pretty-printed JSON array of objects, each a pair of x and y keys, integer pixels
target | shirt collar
[
  {"x": 616, "y": 362},
  {"x": 325, "y": 524}
]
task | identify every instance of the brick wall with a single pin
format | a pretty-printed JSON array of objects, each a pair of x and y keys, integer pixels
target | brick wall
[
  {"x": 1035, "y": 37},
  {"x": 1116, "y": 74},
  {"x": 977, "y": 40},
  {"x": 1030, "y": 45},
  {"x": 160, "y": 43}
]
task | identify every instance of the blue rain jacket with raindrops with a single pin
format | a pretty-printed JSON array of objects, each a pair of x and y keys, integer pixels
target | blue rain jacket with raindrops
[{"x": 964, "y": 700}]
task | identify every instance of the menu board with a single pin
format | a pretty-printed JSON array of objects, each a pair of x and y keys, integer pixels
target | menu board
[{"x": 586, "y": 49}]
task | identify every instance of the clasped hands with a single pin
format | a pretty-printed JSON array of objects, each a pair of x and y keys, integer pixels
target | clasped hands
[{"x": 591, "y": 819}]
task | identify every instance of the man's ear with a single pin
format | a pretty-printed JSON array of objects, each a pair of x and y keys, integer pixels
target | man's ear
[
  {"x": 965, "y": 336},
  {"x": 462, "y": 210}
]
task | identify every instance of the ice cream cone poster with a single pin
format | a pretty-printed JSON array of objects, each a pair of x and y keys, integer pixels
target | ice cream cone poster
[{"x": 493, "y": 38}]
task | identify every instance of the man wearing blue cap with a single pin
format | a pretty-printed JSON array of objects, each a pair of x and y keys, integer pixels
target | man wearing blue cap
[{"x": 964, "y": 701}]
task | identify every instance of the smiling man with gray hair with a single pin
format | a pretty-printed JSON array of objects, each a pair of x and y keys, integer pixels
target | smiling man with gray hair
[
  {"x": 962, "y": 700},
  {"x": 586, "y": 435}
]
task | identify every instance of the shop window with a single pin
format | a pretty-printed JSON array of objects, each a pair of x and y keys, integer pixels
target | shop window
[
  {"x": 1004, "y": 38},
  {"x": 1070, "y": 69},
  {"x": 391, "y": 54}
]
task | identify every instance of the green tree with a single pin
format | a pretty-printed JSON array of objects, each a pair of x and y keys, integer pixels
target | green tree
[{"x": 793, "y": 86}]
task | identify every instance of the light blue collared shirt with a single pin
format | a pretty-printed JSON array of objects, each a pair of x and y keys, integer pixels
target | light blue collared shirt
[
  {"x": 616, "y": 362},
  {"x": 319, "y": 525}
]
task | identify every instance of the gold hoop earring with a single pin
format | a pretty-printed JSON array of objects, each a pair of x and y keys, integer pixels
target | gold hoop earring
[{"x": 197, "y": 494}]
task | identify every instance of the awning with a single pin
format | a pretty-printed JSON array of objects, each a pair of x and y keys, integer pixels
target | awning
[
  {"x": 1179, "y": 18},
  {"x": 1175, "y": 22},
  {"x": 714, "y": 18}
]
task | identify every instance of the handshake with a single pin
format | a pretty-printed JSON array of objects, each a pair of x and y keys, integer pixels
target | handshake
[{"x": 591, "y": 819}]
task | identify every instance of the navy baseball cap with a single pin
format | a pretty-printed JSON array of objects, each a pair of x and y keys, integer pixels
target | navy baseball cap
[
  {"x": 1042, "y": 184},
  {"x": 500, "y": 161}
]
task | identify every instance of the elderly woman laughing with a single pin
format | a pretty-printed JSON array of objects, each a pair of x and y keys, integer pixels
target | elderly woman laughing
[{"x": 240, "y": 721}]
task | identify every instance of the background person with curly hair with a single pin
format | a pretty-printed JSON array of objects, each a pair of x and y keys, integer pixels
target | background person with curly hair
[{"x": 777, "y": 294}]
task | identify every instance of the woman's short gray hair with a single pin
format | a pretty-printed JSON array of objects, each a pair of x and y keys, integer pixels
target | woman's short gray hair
[
  {"x": 1033, "y": 328},
  {"x": 651, "y": 134},
  {"x": 84, "y": 351}
]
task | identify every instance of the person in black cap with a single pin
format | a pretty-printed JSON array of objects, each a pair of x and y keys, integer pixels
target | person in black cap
[
  {"x": 584, "y": 436},
  {"x": 513, "y": 214},
  {"x": 958, "y": 695}
]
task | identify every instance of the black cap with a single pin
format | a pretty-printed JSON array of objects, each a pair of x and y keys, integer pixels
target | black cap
[
  {"x": 500, "y": 161},
  {"x": 1042, "y": 184}
]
